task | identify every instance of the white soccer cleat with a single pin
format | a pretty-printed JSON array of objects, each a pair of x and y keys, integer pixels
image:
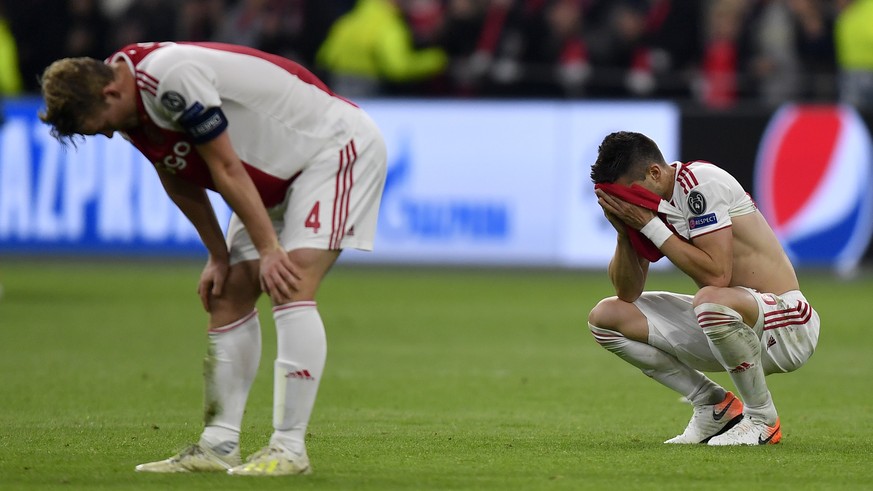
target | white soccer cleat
[
  {"x": 750, "y": 431},
  {"x": 273, "y": 461},
  {"x": 711, "y": 420},
  {"x": 194, "y": 459}
]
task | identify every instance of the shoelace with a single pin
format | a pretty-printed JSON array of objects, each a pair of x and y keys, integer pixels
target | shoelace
[
  {"x": 190, "y": 451},
  {"x": 263, "y": 453}
]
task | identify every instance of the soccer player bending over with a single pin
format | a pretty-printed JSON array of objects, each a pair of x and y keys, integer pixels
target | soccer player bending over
[
  {"x": 303, "y": 171},
  {"x": 748, "y": 317}
]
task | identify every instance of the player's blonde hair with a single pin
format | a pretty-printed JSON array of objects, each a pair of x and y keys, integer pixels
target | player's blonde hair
[{"x": 72, "y": 89}]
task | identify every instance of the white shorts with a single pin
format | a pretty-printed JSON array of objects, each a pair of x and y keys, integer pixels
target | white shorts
[
  {"x": 333, "y": 204},
  {"x": 787, "y": 325}
]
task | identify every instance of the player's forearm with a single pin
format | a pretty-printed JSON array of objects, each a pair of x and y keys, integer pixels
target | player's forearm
[
  {"x": 696, "y": 263},
  {"x": 194, "y": 203},
  {"x": 627, "y": 272},
  {"x": 242, "y": 196},
  {"x": 236, "y": 187}
]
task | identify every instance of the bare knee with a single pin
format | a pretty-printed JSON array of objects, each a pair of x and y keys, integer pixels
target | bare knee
[
  {"x": 238, "y": 296},
  {"x": 603, "y": 314},
  {"x": 312, "y": 266},
  {"x": 617, "y": 315},
  {"x": 710, "y": 294},
  {"x": 733, "y": 298}
]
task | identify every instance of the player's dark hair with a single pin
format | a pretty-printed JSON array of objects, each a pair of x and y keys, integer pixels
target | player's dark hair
[
  {"x": 624, "y": 153},
  {"x": 72, "y": 89}
]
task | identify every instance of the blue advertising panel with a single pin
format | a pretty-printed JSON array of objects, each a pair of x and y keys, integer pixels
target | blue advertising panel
[
  {"x": 97, "y": 197},
  {"x": 498, "y": 183},
  {"x": 501, "y": 182}
]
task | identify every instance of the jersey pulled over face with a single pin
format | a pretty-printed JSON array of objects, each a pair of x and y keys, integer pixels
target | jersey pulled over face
[{"x": 278, "y": 115}]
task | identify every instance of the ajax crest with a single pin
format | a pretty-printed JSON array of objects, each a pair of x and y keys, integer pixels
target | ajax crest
[{"x": 814, "y": 184}]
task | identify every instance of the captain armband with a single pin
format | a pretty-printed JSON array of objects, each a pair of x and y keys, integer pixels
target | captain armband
[
  {"x": 204, "y": 125},
  {"x": 656, "y": 231}
]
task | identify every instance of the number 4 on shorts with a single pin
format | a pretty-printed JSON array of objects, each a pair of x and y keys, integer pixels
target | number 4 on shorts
[{"x": 312, "y": 220}]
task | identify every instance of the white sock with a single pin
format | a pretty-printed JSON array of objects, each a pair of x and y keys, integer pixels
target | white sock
[
  {"x": 738, "y": 349},
  {"x": 664, "y": 368},
  {"x": 229, "y": 368},
  {"x": 302, "y": 350}
]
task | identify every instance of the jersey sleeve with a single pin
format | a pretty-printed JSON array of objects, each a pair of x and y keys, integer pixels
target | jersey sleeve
[
  {"x": 188, "y": 95},
  {"x": 708, "y": 204}
]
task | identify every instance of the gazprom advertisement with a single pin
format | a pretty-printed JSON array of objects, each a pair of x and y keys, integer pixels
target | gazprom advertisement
[
  {"x": 97, "y": 197},
  {"x": 501, "y": 183},
  {"x": 469, "y": 182}
]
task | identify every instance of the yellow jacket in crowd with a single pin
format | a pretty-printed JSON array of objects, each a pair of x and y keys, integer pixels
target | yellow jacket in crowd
[
  {"x": 854, "y": 36},
  {"x": 373, "y": 40},
  {"x": 10, "y": 75}
]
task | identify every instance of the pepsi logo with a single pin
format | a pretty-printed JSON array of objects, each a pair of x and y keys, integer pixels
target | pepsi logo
[{"x": 813, "y": 183}]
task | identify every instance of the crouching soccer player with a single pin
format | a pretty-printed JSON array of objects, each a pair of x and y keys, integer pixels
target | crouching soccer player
[
  {"x": 303, "y": 171},
  {"x": 748, "y": 318}
]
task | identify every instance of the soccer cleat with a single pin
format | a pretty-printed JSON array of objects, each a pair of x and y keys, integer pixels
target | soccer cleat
[
  {"x": 272, "y": 461},
  {"x": 711, "y": 420},
  {"x": 750, "y": 432},
  {"x": 195, "y": 458}
]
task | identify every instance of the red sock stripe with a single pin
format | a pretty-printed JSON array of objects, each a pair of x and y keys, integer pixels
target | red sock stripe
[
  {"x": 294, "y": 305},
  {"x": 232, "y": 326},
  {"x": 799, "y": 315},
  {"x": 710, "y": 319}
]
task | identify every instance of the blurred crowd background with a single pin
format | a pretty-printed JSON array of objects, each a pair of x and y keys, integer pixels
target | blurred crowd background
[{"x": 716, "y": 53}]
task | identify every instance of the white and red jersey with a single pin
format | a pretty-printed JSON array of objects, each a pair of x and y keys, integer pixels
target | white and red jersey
[
  {"x": 278, "y": 115},
  {"x": 706, "y": 198}
]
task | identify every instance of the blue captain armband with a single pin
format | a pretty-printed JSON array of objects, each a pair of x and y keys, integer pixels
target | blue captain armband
[{"x": 203, "y": 125}]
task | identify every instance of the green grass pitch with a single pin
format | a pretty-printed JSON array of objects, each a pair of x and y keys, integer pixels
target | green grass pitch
[{"x": 436, "y": 379}]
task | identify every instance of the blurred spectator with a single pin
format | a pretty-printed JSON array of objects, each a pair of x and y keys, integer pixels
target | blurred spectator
[
  {"x": 281, "y": 29},
  {"x": 372, "y": 45},
  {"x": 553, "y": 52},
  {"x": 114, "y": 8},
  {"x": 310, "y": 25},
  {"x": 425, "y": 18},
  {"x": 144, "y": 21},
  {"x": 676, "y": 32},
  {"x": 40, "y": 31},
  {"x": 88, "y": 30},
  {"x": 767, "y": 50},
  {"x": 619, "y": 54},
  {"x": 199, "y": 20},
  {"x": 473, "y": 31},
  {"x": 244, "y": 23},
  {"x": 771, "y": 55},
  {"x": 814, "y": 25},
  {"x": 717, "y": 84},
  {"x": 10, "y": 76},
  {"x": 275, "y": 26},
  {"x": 854, "y": 48}
]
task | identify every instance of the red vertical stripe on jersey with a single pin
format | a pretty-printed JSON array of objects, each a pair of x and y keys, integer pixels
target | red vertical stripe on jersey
[
  {"x": 336, "y": 196},
  {"x": 343, "y": 190},
  {"x": 351, "y": 165}
]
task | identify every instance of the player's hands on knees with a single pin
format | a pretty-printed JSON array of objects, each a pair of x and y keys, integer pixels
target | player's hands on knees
[
  {"x": 212, "y": 279},
  {"x": 279, "y": 276}
]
